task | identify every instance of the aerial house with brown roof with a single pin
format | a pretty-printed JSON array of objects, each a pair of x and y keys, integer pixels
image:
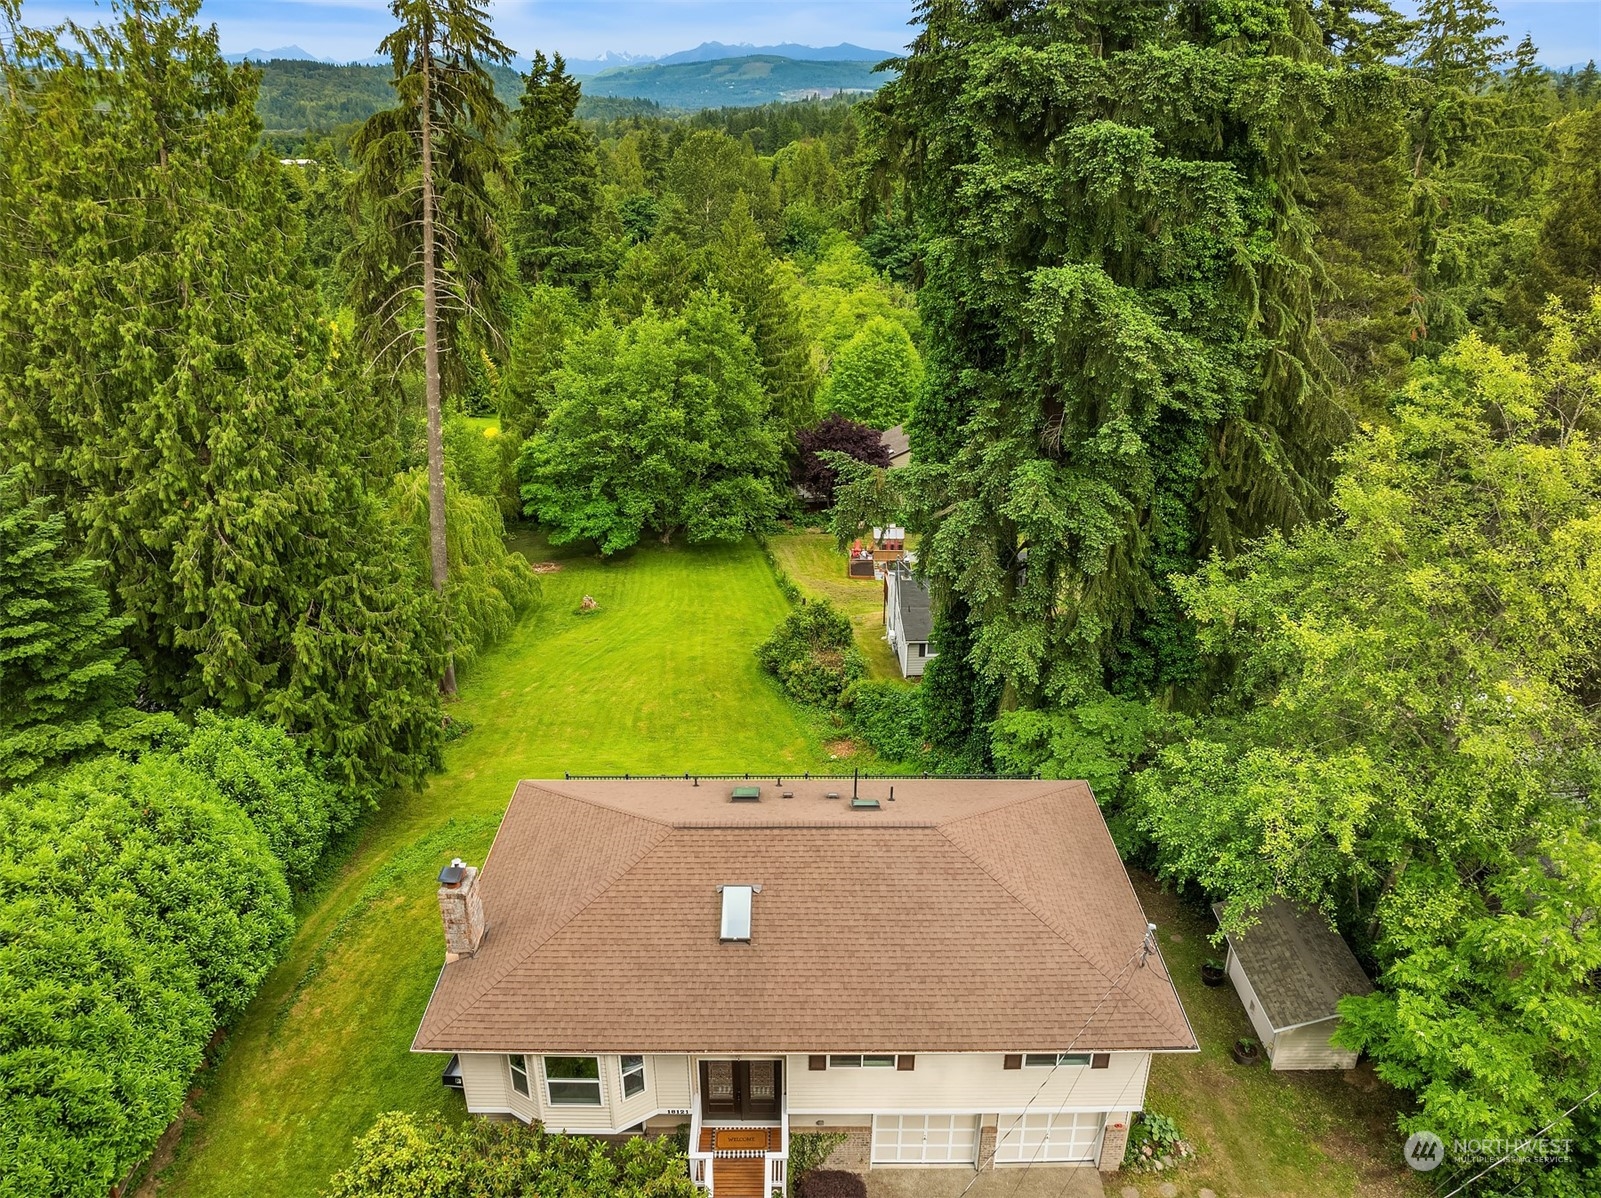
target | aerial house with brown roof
[{"x": 951, "y": 972}]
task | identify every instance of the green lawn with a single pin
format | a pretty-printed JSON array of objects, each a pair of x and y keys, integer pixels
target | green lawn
[
  {"x": 817, "y": 566},
  {"x": 1301, "y": 1134},
  {"x": 661, "y": 678}
]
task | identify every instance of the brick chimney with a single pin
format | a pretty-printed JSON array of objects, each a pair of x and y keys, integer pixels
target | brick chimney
[{"x": 461, "y": 909}]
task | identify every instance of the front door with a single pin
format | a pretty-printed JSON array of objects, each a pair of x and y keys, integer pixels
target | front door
[{"x": 740, "y": 1090}]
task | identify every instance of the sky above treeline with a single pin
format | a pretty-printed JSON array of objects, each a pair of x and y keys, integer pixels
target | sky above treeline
[{"x": 1566, "y": 31}]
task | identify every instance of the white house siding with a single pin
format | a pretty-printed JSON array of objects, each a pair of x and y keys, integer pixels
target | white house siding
[
  {"x": 1308, "y": 1047},
  {"x": 966, "y": 1083},
  {"x": 485, "y": 1084},
  {"x": 1253, "y": 1008},
  {"x": 666, "y": 1088}
]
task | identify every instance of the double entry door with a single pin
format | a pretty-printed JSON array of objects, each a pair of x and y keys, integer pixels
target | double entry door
[{"x": 744, "y": 1090}]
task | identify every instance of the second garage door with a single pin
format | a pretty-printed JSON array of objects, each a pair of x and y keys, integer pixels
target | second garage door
[
  {"x": 1048, "y": 1137},
  {"x": 925, "y": 1139}
]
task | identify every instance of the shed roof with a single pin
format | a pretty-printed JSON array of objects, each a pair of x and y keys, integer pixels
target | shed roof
[
  {"x": 1297, "y": 964},
  {"x": 915, "y": 611},
  {"x": 961, "y": 916}
]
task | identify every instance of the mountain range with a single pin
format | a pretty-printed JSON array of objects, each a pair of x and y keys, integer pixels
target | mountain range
[{"x": 614, "y": 60}]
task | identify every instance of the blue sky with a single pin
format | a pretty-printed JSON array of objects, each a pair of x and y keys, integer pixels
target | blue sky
[{"x": 1567, "y": 31}]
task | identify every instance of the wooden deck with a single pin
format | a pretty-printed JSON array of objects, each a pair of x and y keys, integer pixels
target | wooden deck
[{"x": 739, "y": 1177}]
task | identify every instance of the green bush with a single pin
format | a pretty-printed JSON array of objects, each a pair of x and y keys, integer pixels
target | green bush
[
  {"x": 138, "y": 909},
  {"x": 808, "y": 1150},
  {"x": 404, "y": 1156},
  {"x": 889, "y": 717},
  {"x": 813, "y": 654},
  {"x": 260, "y": 769}
]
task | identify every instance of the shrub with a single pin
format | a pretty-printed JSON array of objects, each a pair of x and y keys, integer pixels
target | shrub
[
  {"x": 138, "y": 908},
  {"x": 402, "y": 1155},
  {"x": 813, "y": 654},
  {"x": 889, "y": 717},
  {"x": 265, "y": 773},
  {"x": 832, "y": 1183},
  {"x": 1151, "y": 1138},
  {"x": 807, "y": 1150}
]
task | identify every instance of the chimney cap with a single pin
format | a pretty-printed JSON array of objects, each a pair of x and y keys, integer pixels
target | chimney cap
[{"x": 453, "y": 873}]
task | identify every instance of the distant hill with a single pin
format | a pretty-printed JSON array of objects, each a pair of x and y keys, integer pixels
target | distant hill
[
  {"x": 287, "y": 53},
  {"x": 712, "y": 51},
  {"x": 736, "y": 82},
  {"x": 297, "y": 95}
]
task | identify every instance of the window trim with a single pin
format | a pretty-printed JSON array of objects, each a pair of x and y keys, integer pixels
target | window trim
[
  {"x": 516, "y": 1068},
  {"x": 860, "y": 1060},
  {"x": 624, "y": 1072},
  {"x": 552, "y": 1100},
  {"x": 1053, "y": 1060}
]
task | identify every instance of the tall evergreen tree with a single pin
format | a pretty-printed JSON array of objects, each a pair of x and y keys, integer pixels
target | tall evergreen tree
[
  {"x": 165, "y": 370},
  {"x": 1124, "y": 372},
  {"x": 743, "y": 269},
  {"x": 422, "y": 196},
  {"x": 65, "y": 684},
  {"x": 553, "y": 238}
]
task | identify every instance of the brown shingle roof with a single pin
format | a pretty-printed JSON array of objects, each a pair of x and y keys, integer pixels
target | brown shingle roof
[{"x": 961, "y": 917}]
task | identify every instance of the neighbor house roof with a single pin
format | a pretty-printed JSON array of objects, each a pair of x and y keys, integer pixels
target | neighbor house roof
[
  {"x": 960, "y": 916},
  {"x": 899, "y": 446},
  {"x": 1297, "y": 965},
  {"x": 911, "y": 596}
]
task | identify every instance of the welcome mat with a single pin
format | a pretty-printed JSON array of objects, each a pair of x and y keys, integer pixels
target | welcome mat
[{"x": 733, "y": 1139}]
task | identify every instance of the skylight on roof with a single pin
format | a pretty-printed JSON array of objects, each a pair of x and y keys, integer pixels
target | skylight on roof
[{"x": 736, "y": 913}]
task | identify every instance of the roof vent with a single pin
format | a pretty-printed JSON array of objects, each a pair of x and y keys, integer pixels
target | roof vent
[
  {"x": 453, "y": 873},
  {"x": 865, "y": 804},
  {"x": 833, "y": 794},
  {"x": 746, "y": 794},
  {"x": 736, "y": 913}
]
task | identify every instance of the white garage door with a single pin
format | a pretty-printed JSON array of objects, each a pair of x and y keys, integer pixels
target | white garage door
[
  {"x": 925, "y": 1139},
  {"x": 1048, "y": 1137}
]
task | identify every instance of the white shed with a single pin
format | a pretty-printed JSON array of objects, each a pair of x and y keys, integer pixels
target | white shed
[
  {"x": 908, "y": 618},
  {"x": 1290, "y": 970}
]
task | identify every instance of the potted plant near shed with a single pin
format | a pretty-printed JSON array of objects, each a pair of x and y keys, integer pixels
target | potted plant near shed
[
  {"x": 1247, "y": 1050},
  {"x": 1213, "y": 972}
]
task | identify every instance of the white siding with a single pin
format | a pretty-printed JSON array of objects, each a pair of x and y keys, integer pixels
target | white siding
[
  {"x": 968, "y": 1083},
  {"x": 666, "y": 1088},
  {"x": 484, "y": 1082},
  {"x": 1253, "y": 1008},
  {"x": 1308, "y": 1047}
]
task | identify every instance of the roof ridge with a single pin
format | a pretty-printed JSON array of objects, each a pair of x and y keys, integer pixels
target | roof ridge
[
  {"x": 565, "y": 794},
  {"x": 1067, "y": 784},
  {"x": 467, "y": 1004}
]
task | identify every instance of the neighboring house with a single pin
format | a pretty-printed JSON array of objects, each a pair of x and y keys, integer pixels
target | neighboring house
[
  {"x": 899, "y": 446},
  {"x": 1290, "y": 970},
  {"x": 949, "y": 972},
  {"x": 908, "y": 618}
]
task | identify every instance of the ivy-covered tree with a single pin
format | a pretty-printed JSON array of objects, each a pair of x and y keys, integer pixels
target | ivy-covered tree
[
  {"x": 658, "y": 425},
  {"x": 165, "y": 368},
  {"x": 427, "y": 263},
  {"x": 66, "y": 686},
  {"x": 1124, "y": 372},
  {"x": 553, "y": 234}
]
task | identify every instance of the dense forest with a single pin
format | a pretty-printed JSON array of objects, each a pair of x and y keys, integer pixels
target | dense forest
[{"x": 1250, "y": 355}]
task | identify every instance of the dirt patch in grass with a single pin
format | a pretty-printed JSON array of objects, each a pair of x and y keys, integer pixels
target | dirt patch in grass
[
  {"x": 546, "y": 567},
  {"x": 843, "y": 747}
]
